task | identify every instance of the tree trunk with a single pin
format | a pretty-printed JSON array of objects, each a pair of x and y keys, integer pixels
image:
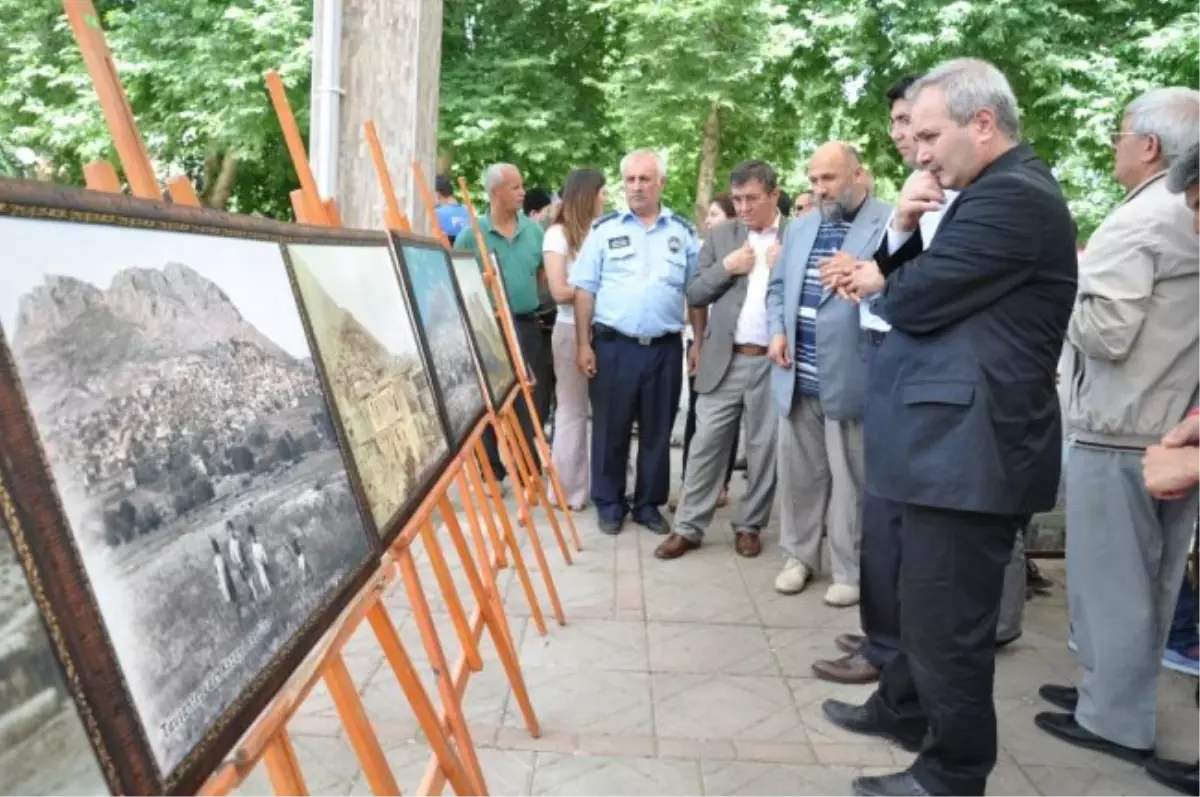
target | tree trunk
[
  {"x": 445, "y": 161},
  {"x": 391, "y": 65},
  {"x": 709, "y": 146},
  {"x": 217, "y": 195}
]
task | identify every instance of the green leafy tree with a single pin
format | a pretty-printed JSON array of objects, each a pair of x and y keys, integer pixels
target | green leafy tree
[
  {"x": 193, "y": 71},
  {"x": 520, "y": 84}
]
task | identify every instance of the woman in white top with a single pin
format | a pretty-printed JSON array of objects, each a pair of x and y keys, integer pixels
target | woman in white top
[{"x": 583, "y": 200}]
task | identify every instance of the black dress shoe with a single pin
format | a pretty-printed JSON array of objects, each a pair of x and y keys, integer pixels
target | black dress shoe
[
  {"x": 1177, "y": 775},
  {"x": 857, "y": 719},
  {"x": 1003, "y": 643},
  {"x": 611, "y": 525},
  {"x": 897, "y": 783},
  {"x": 653, "y": 520},
  {"x": 1064, "y": 697},
  {"x": 1064, "y": 726}
]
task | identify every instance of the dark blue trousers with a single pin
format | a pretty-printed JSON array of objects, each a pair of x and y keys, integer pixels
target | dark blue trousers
[
  {"x": 879, "y": 566},
  {"x": 634, "y": 381},
  {"x": 879, "y": 579}
]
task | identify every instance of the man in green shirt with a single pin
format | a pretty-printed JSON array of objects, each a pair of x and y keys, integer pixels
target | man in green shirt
[{"x": 516, "y": 242}]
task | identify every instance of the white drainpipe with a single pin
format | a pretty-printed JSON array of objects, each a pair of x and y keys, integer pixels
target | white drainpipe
[{"x": 325, "y": 115}]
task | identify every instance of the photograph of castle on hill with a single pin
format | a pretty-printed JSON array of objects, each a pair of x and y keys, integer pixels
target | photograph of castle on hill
[
  {"x": 367, "y": 342},
  {"x": 175, "y": 396},
  {"x": 43, "y": 746},
  {"x": 497, "y": 366},
  {"x": 450, "y": 353}
]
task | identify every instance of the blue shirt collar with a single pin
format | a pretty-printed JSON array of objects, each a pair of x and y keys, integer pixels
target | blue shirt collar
[{"x": 664, "y": 213}]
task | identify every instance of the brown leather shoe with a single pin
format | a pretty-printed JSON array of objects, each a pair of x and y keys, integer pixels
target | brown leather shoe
[
  {"x": 849, "y": 643},
  {"x": 747, "y": 544},
  {"x": 675, "y": 546},
  {"x": 852, "y": 669}
]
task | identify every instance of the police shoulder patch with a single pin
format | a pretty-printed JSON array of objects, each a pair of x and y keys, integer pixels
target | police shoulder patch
[
  {"x": 606, "y": 217},
  {"x": 684, "y": 221}
]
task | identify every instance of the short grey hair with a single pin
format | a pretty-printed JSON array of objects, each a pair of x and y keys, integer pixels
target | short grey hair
[
  {"x": 494, "y": 175},
  {"x": 1185, "y": 171},
  {"x": 659, "y": 163},
  {"x": 1171, "y": 115},
  {"x": 970, "y": 85}
]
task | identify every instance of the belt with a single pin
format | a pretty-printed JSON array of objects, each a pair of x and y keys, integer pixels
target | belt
[
  {"x": 603, "y": 332},
  {"x": 526, "y": 317},
  {"x": 874, "y": 336},
  {"x": 750, "y": 349}
]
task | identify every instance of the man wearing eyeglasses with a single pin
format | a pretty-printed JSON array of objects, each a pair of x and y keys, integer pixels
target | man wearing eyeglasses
[
  {"x": 733, "y": 377},
  {"x": 1134, "y": 372}
]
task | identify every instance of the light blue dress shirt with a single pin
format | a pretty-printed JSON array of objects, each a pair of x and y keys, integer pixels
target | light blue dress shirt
[{"x": 638, "y": 274}]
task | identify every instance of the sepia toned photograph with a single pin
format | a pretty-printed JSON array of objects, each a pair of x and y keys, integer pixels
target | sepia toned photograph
[
  {"x": 367, "y": 341},
  {"x": 446, "y": 333},
  {"x": 175, "y": 397},
  {"x": 493, "y": 353},
  {"x": 44, "y": 748}
]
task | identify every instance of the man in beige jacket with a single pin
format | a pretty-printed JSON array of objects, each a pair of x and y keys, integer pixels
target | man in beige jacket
[{"x": 1135, "y": 346}]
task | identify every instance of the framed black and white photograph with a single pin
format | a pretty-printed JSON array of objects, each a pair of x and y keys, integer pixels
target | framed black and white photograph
[
  {"x": 381, "y": 386},
  {"x": 447, "y": 335},
  {"x": 178, "y": 459},
  {"x": 481, "y": 314}
]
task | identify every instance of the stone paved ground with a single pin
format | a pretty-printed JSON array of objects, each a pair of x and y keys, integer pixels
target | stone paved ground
[{"x": 692, "y": 677}]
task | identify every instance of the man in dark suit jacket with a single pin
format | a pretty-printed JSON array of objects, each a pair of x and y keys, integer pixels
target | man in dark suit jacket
[{"x": 967, "y": 430}]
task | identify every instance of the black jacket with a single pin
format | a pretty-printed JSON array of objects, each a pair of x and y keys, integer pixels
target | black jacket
[{"x": 962, "y": 407}]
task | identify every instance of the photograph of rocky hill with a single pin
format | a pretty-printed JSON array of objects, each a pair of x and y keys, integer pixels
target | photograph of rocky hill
[
  {"x": 493, "y": 352},
  {"x": 440, "y": 315},
  {"x": 43, "y": 746},
  {"x": 366, "y": 339},
  {"x": 190, "y": 443}
]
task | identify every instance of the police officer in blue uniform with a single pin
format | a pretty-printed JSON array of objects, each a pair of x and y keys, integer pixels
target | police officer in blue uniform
[{"x": 629, "y": 277}]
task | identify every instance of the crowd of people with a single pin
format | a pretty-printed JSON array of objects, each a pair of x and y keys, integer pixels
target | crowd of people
[{"x": 911, "y": 381}]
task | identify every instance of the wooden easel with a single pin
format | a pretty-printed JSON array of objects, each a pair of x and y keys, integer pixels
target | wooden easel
[
  {"x": 465, "y": 472},
  {"x": 454, "y": 757},
  {"x": 538, "y": 493}
]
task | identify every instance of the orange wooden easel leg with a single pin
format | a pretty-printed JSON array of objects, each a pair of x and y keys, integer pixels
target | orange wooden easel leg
[
  {"x": 410, "y": 683},
  {"x": 493, "y": 615},
  {"x": 540, "y": 447},
  {"x": 358, "y": 728},
  {"x": 514, "y": 546},
  {"x": 291, "y": 749},
  {"x": 519, "y": 564},
  {"x": 458, "y": 614},
  {"x": 280, "y": 760},
  {"x": 469, "y": 498},
  {"x": 535, "y": 487},
  {"x": 451, "y": 704}
]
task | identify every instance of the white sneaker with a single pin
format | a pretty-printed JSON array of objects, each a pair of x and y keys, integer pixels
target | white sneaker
[
  {"x": 841, "y": 595},
  {"x": 793, "y": 578}
]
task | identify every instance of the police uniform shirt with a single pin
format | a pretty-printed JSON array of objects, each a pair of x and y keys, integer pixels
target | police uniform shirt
[{"x": 638, "y": 274}]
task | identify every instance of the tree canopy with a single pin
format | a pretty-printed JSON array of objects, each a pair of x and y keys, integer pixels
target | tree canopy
[{"x": 554, "y": 84}]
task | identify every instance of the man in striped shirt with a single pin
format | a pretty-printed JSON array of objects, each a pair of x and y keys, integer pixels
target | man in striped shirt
[{"x": 819, "y": 384}]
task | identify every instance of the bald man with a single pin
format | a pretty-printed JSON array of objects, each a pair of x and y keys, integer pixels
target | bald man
[{"x": 818, "y": 383}]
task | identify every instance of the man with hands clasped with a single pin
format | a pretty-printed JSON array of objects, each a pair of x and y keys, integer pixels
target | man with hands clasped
[
  {"x": 820, "y": 380},
  {"x": 733, "y": 374},
  {"x": 962, "y": 425}
]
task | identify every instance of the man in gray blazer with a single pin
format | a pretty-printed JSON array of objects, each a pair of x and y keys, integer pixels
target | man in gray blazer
[
  {"x": 733, "y": 376},
  {"x": 819, "y": 384}
]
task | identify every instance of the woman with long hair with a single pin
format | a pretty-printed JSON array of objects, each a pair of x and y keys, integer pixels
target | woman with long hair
[
  {"x": 583, "y": 200},
  {"x": 719, "y": 210}
]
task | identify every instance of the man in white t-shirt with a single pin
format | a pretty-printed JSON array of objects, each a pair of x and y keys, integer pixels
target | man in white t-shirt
[{"x": 733, "y": 374}]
